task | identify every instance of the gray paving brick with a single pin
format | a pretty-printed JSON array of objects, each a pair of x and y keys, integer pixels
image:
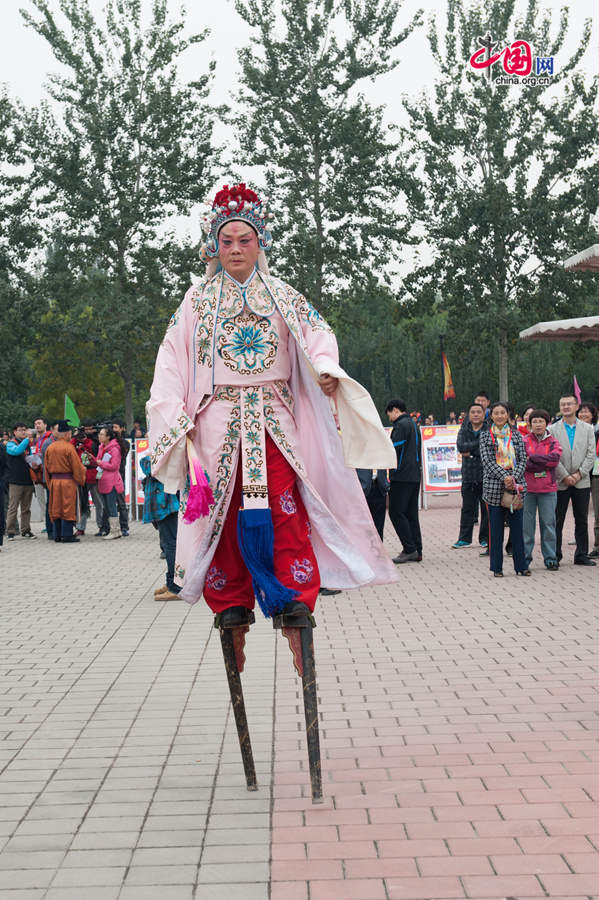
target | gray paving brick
[
  {"x": 245, "y": 872},
  {"x": 163, "y": 874},
  {"x": 76, "y": 876},
  {"x": 164, "y": 892},
  {"x": 230, "y": 890}
]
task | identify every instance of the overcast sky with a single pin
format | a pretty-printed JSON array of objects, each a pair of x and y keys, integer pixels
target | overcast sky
[{"x": 26, "y": 60}]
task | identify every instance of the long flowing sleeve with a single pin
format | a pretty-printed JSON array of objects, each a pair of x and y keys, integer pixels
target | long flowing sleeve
[
  {"x": 365, "y": 442},
  {"x": 169, "y": 420}
]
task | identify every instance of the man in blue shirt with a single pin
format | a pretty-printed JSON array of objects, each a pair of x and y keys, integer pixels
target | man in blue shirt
[
  {"x": 577, "y": 440},
  {"x": 20, "y": 486}
]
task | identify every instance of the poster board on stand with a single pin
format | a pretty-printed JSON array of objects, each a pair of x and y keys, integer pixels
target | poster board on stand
[
  {"x": 441, "y": 462},
  {"x": 142, "y": 448}
]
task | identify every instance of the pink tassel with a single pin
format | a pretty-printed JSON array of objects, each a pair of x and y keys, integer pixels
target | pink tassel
[{"x": 200, "y": 493}]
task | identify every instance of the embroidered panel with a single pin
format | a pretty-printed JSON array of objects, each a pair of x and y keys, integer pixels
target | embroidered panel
[
  {"x": 247, "y": 344},
  {"x": 284, "y": 391},
  {"x": 205, "y": 305},
  {"x": 179, "y": 571},
  {"x": 256, "y": 296},
  {"x": 307, "y": 313},
  {"x": 276, "y": 430},
  {"x": 284, "y": 301},
  {"x": 168, "y": 439},
  {"x": 253, "y": 452}
]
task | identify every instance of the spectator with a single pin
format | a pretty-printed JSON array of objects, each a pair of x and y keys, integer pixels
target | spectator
[
  {"x": 452, "y": 419},
  {"x": 482, "y": 398},
  {"x": 577, "y": 440},
  {"x": 405, "y": 482},
  {"x": 503, "y": 460},
  {"x": 375, "y": 485},
  {"x": 543, "y": 452},
  {"x": 63, "y": 472},
  {"x": 119, "y": 433},
  {"x": 137, "y": 431},
  {"x": 37, "y": 472},
  {"x": 52, "y": 436},
  {"x": 85, "y": 448},
  {"x": 20, "y": 487},
  {"x": 588, "y": 413},
  {"x": 162, "y": 510},
  {"x": 91, "y": 433},
  {"x": 462, "y": 416},
  {"x": 110, "y": 483},
  {"x": 472, "y": 479}
]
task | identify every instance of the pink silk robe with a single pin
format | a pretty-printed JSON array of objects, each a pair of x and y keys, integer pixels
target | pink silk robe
[{"x": 192, "y": 391}]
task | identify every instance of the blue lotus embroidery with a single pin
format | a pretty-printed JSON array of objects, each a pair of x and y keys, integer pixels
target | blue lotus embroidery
[{"x": 247, "y": 344}]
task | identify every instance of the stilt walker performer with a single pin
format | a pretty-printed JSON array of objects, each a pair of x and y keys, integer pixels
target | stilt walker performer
[{"x": 243, "y": 415}]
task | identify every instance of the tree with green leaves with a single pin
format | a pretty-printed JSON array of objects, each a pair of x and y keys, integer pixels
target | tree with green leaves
[
  {"x": 131, "y": 145},
  {"x": 502, "y": 180},
  {"x": 19, "y": 237},
  {"x": 325, "y": 150}
]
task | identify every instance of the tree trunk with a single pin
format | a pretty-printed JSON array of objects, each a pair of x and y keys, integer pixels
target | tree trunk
[
  {"x": 318, "y": 248},
  {"x": 128, "y": 390},
  {"x": 503, "y": 369}
]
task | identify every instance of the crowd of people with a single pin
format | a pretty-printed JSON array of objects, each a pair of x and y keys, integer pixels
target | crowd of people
[
  {"x": 515, "y": 470},
  {"x": 65, "y": 468}
]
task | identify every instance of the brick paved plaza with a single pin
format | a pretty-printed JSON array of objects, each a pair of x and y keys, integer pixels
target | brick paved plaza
[{"x": 459, "y": 726}]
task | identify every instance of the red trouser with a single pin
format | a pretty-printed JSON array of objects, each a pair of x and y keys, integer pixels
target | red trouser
[{"x": 228, "y": 582}]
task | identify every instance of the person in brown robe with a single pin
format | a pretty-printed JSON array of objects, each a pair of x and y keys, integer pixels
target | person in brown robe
[{"x": 64, "y": 471}]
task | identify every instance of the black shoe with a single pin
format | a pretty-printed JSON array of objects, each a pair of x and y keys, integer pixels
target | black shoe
[
  {"x": 584, "y": 561},
  {"x": 234, "y": 617},
  {"x": 58, "y": 540},
  {"x": 100, "y": 533},
  {"x": 71, "y": 540},
  {"x": 124, "y": 532},
  {"x": 407, "y": 557},
  {"x": 328, "y": 592},
  {"x": 552, "y": 565},
  {"x": 163, "y": 555},
  {"x": 484, "y": 552},
  {"x": 594, "y": 553},
  {"x": 28, "y": 534}
]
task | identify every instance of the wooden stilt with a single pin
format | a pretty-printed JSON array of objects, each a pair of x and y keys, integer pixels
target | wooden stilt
[
  {"x": 298, "y": 631},
  {"x": 232, "y": 645},
  {"x": 311, "y": 712}
]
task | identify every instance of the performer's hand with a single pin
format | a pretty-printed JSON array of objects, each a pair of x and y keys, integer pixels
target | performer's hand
[{"x": 328, "y": 384}]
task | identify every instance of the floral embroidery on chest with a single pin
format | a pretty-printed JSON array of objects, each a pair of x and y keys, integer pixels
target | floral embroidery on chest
[{"x": 247, "y": 343}]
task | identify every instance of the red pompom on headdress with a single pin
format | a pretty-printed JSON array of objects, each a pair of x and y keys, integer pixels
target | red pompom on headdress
[{"x": 236, "y": 203}]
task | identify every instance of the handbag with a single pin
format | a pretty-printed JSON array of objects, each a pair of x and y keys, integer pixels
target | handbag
[{"x": 512, "y": 500}]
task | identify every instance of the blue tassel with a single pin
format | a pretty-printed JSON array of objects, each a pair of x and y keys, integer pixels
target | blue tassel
[{"x": 256, "y": 537}]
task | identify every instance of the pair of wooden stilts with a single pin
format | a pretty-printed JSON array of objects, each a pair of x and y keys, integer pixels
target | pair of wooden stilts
[{"x": 298, "y": 631}]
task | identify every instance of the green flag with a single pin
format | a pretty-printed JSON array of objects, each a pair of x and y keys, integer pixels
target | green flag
[{"x": 70, "y": 413}]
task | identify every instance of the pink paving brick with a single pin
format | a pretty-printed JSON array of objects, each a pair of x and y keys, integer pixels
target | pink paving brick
[
  {"x": 381, "y": 868},
  {"x": 289, "y": 890},
  {"x": 583, "y": 863},
  {"x": 424, "y": 888},
  {"x": 458, "y": 865},
  {"x": 483, "y": 886},
  {"x": 341, "y": 850},
  {"x": 355, "y": 889},
  {"x": 571, "y": 885},
  {"x": 529, "y": 864},
  {"x": 297, "y": 870}
]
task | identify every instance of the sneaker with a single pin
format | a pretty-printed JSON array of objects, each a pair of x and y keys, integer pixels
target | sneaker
[
  {"x": 124, "y": 532},
  {"x": 552, "y": 565},
  {"x": 11, "y": 537},
  {"x": 163, "y": 555},
  {"x": 459, "y": 545},
  {"x": 406, "y": 557},
  {"x": 79, "y": 532},
  {"x": 594, "y": 554},
  {"x": 28, "y": 534},
  {"x": 484, "y": 543}
]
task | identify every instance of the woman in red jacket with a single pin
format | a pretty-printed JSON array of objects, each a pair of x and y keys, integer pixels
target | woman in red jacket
[
  {"x": 110, "y": 483},
  {"x": 543, "y": 453}
]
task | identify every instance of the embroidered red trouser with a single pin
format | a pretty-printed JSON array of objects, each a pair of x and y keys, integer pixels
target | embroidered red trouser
[{"x": 228, "y": 582}]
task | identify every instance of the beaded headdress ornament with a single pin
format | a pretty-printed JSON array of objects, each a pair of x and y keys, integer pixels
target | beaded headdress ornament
[{"x": 236, "y": 204}]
